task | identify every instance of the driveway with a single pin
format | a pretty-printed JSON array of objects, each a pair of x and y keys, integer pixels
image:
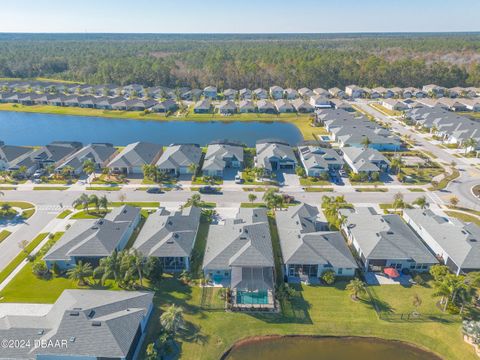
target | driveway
[{"x": 290, "y": 179}]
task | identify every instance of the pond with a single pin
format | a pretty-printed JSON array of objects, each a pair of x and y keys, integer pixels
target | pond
[
  {"x": 325, "y": 348},
  {"x": 17, "y": 128}
]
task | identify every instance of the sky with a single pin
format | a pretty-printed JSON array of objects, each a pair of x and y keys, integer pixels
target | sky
[{"x": 238, "y": 16}]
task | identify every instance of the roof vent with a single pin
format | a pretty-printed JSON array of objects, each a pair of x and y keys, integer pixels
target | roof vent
[
  {"x": 96, "y": 323},
  {"x": 40, "y": 332},
  {"x": 91, "y": 314},
  {"x": 390, "y": 232},
  {"x": 473, "y": 240},
  {"x": 170, "y": 223},
  {"x": 72, "y": 339},
  {"x": 74, "y": 313}
]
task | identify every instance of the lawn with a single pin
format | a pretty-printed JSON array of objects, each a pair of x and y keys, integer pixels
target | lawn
[
  {"x": 316, "y": 310},
  {"x": 91, "y": 214},
  {"x": 103, "y": 188},
  {"x": 64, "y": 214},
  {"x": 384, "y": 110},
  {"x": 313, "y": 181},
  {"x": 4, "y": 234},
  {"x": 19, "y": 204},
  {"x": 27, "y": 214},
  {"x": 373, "y": 189},
  {"x": 21, "y": 256},
  {"x": 421, "y": 176},
  {"x": 415, "y": 189},
  {"x": 316, "y": 189},
  {"x": 252, "y": 205},
  {"x": 463, "y": 217},
  {"x": 57, "y": 188}
]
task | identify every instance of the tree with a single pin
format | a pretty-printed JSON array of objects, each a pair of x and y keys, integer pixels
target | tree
[
  {"x": 356, "y": 287},
  {"x": 83, "y": 201},
  {"x": 89, "y": 167},
  {"x": 192, "y": 169},
  {"x": 252, "y": 198},
  {"x": 80, "y": 272},
  {"x": 398, "y": 202},
  {"x": 366, "y": 142},
  {"x": 454, "y": 201},
  {"x": 94, "y": 200},
  {"x": 300, "y": 171},
  {"x": 328, "y": 277},
  {"x": 103, "y": 203},
  {"x": 194, "y": 200},
  {"x": 421, "y": 202},
  {"x": 151, "y": 352},
  {"x": 469, "y": 145},
  {"x": 67, "y": 171},
  {"x": 153, "y": 269},
  {"x": 396, "y": 164},
  {"x": 172, "y": 320},
  {"x": 24, "y": 246},
  {"x": 109, "y": 268},
  {"x": 39, "y": 268}
]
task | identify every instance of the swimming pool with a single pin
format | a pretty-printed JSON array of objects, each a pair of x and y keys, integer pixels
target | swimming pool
[{"x": 248, "y": 297}]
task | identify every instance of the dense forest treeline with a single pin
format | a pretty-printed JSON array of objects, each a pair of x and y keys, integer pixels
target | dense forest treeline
[{"x": 290, "y": 60}]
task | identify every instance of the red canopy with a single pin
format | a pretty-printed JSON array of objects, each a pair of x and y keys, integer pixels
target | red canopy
[{"x": 393, "y": 273}]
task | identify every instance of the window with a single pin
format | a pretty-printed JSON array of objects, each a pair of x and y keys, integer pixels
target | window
[
  {"x": 340, "y": 271},
  {"x": 226, "y": 273}
]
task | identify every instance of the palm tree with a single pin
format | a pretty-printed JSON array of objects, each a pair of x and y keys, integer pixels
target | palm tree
[
  {"x": 172, "y": 319},
  {"x": 67, "y": 171},
  {"x": 421, "y": 202},
  {"x": 397, "y": 163},
  {"x": 89, "y": 167},
  {"x": 356, "y": 287},
  {"x": 192, "y": 168},
  {"x": 80, "y": 272},
  {"x": 103, "y": 203},
  {"x": 366, "y": 142},
  {"x": 470, "y": 143},
  {"x": 139, "y": 262},
  {"x": 109, "y": 268},
  {"x": 195, "y": 200},
  {"x": 83, "y": 200},
  {"x": 93, "y": 199}
]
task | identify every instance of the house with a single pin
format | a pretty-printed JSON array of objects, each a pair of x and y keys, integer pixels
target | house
[
  {"x": 54, "y": 153},
  {"x": 337, "y": 93},
  {"x": 134, "y": 156},
  {"x": 139, "y": 104},
  {"x": 265, "y": 107},
  {"x": 210, "y": 92},
  {"x": 165, "y": 106},
  {"x": 317, "y": 160},
  {"x": 89, "y": 241},
  {"x": 274, "y": 155},
  {"x": 283, "y": 106},
  {"x": 190, "y": 95},
  {"x": 81, "y": 324},
  {"x": 308, "y": 248},
  {"x": 453, "y": 242},
  {"x": 321, "y": 92},
  {"x": 470, "y": 104},
  {"x": 365, "y": 160},
  {"x": 381, "y": 93},
  {"x": 276, "y": 92},
  {"x": 394, "y": 105},
  {"x": 290, "y": 94},
  {"x": 99, "y": 153},
  {"x": 354, "y": 91},
  {"x": 170, "y": 236},
  {"x": 226, "y": 107},
  {"x": 301, "y": 106},
  {"x": 305, "y": 92},
  {"x": 202, "y": 107},
  {"x": 434, "y": 90},
  {"x": 178, "y": 159},
  {"x": 220, "y": 156},
  {"x": 320, "y": 102},
  {"x": 11, "y": 155},
  {"x": 239, "y": 256},
  {"x": 342, "y": 105},
  {"x": 260, "y": 94},
  {"x": 245, "y": 94},
  {"x": 246, "y": 106},
  {"x": 230, "y": 94},
  {"x": 385, "y": 241}
]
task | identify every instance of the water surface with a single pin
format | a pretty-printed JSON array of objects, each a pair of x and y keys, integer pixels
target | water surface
[
  {"x": 325, "y": 348},
  {"x": 19, "y": 128}
]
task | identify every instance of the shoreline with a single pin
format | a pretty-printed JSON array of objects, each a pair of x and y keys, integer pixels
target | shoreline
[
  {"x": 301, "y": 122},
  {"x": 260, "y": 338}
]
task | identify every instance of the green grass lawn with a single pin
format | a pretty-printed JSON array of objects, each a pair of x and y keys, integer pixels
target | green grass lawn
[
  {"x": 103, "y": 188},
  {"x": 371, "y": 189},
  {"x": 252, "y": 205},
  {"x": 52, "y": 188},
  {"x": 21, "y": 256},
  {"x": 19, "y": 204},
  {"x": 315, "y": 189},
  {"x": 416, "y": 190},
  {"x": 64, "y": 214},
  {"x": 463, "y": 217},
  {"x": 91, "y": 214},
  {"x": 4, "y": 234},
  {"x": 423, "y": 176},
  {"x": 313, "y": 181},
  {"x": 27, "y": 214}
]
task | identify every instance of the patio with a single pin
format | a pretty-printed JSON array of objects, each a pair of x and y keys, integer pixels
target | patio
[{"x": 374, "y": 278}]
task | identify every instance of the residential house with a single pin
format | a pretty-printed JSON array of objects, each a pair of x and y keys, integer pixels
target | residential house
[
  {"x": 99, "y": 153},
  {"x": 322, "y": 92},
  {"x": 246, "y": 94},
  {"x": 320, "y": 102},
  {"x": 210, "y": 92},
  {"x": 301, "y": 106},
  {"x": 11, "y": 155},
  {"x": 53, "y": 154},
  {"x": 134, "y": 156},
  {"x": 260, "y": 94},
  {"x": 290, "y": 94},
  {"x": 337, "y": 93},
  {"x": 274, "y": 155},
  {"x": 165, "y": 106},
  {"x": 354, "y": 91},
  {"x": 170, "y": 236},
  {"x": 454, "y": 243},
  {"x": 318, "y": 161},
  {"x": 434, "y": 90},
  {"x": 283, "y": 106},
  {"x": 246, "y": 106},
  {"x": 239, "y": 256},
  {"x": 394, "y": 105},
  {"x": 265, "y": 107},
  {"x": 365, "y": 161},
  {"x": 202, "y": 107},
  {"x": 88, "y": 241},
  {"x": 81, "y": 324},
  {"x": 178, "y": 159},
  {"x": 220, "y": 156},
  {"x": 308, "y": 248},
  {"x": 276, "y": 92},
  {"x": 305, "y": 92},
  {"x": 226, "y": 107},
  {"x": 385, "y": 241},
  {"x": 230, "y": 94}
]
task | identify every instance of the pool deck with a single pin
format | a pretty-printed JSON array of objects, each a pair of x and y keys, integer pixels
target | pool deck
[{"x": 270, "y": 305}]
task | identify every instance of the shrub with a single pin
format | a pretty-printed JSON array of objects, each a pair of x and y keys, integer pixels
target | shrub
[
  {"x": 328, "y": 277},
  {"x": 40, "y": 269}
]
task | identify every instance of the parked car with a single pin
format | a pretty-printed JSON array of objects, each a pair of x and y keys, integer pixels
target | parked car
[
  {"x": 342, "y": 173},
  {"x": 209, "y": 190},
  {"x": 154, "y": 190},
  {"x": 38, "y": 174},
  {"x": 238, "y": 179}
]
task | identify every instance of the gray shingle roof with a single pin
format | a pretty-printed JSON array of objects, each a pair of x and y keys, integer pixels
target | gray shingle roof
[
  {"x": 218, "y": 154},
  {"x": 180, "y": 155},
  {"x": 267, "y": 150},
  {"x": 136, "y": 155},
  {"x": 167, "y": 234},
  {"x": 98, "y": 153},
  {"x": 95, "y": 323}
]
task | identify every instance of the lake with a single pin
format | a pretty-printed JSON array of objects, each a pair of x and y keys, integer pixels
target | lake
[
  {"x": 17, "y": 128},
  {"x": 325, "y": 348}
]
